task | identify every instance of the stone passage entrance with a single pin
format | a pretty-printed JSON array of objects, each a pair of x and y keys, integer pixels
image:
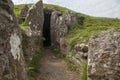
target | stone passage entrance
[{"x": 46, "y": 29}]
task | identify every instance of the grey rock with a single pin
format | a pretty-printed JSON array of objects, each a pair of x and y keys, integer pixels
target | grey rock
[
  {"x": 54, "y": 17},
  {"x": 81, "y": 54},
  {"x": 4, "y": 4},
  {"x": 12, "y": 64},
  {"x": 35, "y": 17},
  {"x": 81, "y": 48},
  {"x": 33, "y": 31},
  {"x": 60, "y": 24},
  {"x": 23, "y": 13},
  {"x": 104, "y": 56},
  {"x": 78, "y": 60},
  {"x": 64, "y": 46},
  {"x": 70, "y": 19},
  {"x": 48, "y": 10}
]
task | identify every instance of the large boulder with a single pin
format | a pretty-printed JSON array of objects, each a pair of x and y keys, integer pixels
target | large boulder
[
  {"x": 104, "y": 56},
  {"x": 69, "y": 19},
  {"x": 35, "y": 17},
  {"x": 23, "y": 13},
  {"x": 12, "y": 64},
  {"x": 33, "y": 31},
  {"x": 60, "y": 24},
  {"x": 54, "y": 17}
]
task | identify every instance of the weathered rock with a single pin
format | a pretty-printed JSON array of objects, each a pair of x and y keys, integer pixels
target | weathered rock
[
  {"x": 64, "y": 46},
  {"x": 12, "y": 65},
  {"x": 33, "y": 30},
  {"x": 61, "y": 29},
  {"x": 81, "y": 54},
  {"x": 23, "y": 13},
  {"x": 104, "y": 56},
  {"x": 54, "y": 17},
  {"x": 60, "y": 24},
  {"x": 69, "y": 19},
  {"x": 48, "y": 10},
  {"x": 35, "y": 17},
  {"x": 76, "y": 60},
  {"x": 81, "y": 48}
]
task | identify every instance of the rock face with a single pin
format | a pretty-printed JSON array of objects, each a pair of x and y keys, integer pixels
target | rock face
[
  {"x": 81, "y": 54},
  {"x": 12, "y": 65},
  {"x": 104, "y": 56},
  {"x": 60, "y": 24},
  {"x": 33, "y": 30},
  {"x": 35, "y": 17},
  {"x": 23, "y": 13},
  {"x": 64, "y": 46},
  {"x": 54, "y": 16}
]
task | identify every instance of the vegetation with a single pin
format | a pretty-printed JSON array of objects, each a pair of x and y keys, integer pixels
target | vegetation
[
  {"x": 63, "y": 9},
  {"x": 17, "y": 8},
  {"x": 34, "y": 66},
  {"x": 83, "y": 70},
  {"x": 91, "y": 25},
  {"x": 80, "y": 33}
]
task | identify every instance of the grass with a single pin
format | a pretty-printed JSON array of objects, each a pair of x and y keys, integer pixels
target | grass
[
  {"x": 17, "y": 8},
  {"x": 83, "y": 70},
  {"x": 92, "y": 25},
  {"x": 34, "y": 66},
  {"x": 81, "y": 32},
  {"x": 62, "y": 9}
]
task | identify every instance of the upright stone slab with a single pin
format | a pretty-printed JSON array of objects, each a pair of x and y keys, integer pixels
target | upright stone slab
[
  {"x": 69, "y": 19},
  {"x": 23, "y": 13},
  {"x": 104, "y": 56},
  {"x": 32, "y": 35},
  {"x": 54, "y": 17},
  {"x": 35, "y": 17},
  {"x": 12, "y": 65}
]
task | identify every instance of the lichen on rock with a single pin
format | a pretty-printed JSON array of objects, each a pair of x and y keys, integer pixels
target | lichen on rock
[
  {"x": 15, "y": 46},
  {"x": 104, "y": 56},
  {"x": 12, "y": 64}
]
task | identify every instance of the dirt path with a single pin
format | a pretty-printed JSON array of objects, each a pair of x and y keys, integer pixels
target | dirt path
[{"x": 54, "y": 68}]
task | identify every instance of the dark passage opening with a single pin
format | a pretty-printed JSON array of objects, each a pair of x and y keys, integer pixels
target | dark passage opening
[{"x": 46, "y": 29}]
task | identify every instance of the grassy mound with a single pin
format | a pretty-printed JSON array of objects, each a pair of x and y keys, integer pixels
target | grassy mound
[
  {"x": 80, "y": 32},
  {"x": 91, "y": 25}
]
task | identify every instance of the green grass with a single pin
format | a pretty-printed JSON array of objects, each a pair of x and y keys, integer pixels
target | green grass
[
  {"x": 63, "y": 9},
  {"x": 92, "y": 25},
  {"x": 80, "y": 33},
  {"x": 17, "y": 8},
  {"x": 83, "y": 70},
  {"x": 34, "y": 66}
]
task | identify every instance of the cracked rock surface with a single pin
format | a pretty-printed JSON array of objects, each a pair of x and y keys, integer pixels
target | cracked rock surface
[
  {"x": 104, "y": 56},
  {"x": 12, "y": 65}
]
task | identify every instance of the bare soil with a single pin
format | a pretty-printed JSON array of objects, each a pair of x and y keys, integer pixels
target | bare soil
[{"x": 55, "y": 68}]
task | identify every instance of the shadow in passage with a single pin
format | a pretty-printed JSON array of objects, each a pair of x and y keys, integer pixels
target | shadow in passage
[{"x": 46, "y": 29}]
